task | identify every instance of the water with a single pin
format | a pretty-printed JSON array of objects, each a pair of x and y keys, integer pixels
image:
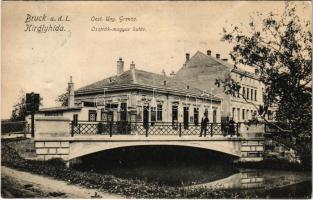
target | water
[{"x": 187, "y": 167}]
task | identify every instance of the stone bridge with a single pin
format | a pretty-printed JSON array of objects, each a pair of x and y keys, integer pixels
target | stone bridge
[
  {"x": 60, "y": 143},
  {"x": 69, "y": 148}
]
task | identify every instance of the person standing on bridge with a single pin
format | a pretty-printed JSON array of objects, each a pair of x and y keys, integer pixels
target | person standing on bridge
[
  {"x": 231, "y": 127},
  {"x": 204, "y": 124}
]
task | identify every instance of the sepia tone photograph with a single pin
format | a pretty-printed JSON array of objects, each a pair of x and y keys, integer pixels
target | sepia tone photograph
[{"x": 156, "y": 99}]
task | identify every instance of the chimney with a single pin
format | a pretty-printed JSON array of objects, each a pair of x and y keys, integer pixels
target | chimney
[
  {"x": 70, "y": 90},
  {"x": 208, "y": 52},
  {"x": 132, "y": 65},
  {"x": 163, "y": 72},
  {"x": 187, "y": 87},
  {"x": 120, "y": 66},
  {"x": 172, "y": 74},
  {"x": 225, "y": 59},
  {"x": 218, "y": 56},
  {"x": 187, "y": 56}
]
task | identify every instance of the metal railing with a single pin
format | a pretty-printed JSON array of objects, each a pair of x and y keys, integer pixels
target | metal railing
[
  {"x": 152, "y": 128},
  {"x": 13, "y": 127}
]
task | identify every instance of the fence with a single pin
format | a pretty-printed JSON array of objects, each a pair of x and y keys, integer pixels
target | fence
[
  {"x": 152, "y": 128},
  {"x": 13, "y": 127}
]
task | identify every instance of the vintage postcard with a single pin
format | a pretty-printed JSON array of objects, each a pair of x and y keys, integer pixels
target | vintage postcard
[{"x": 156, "y": 99}]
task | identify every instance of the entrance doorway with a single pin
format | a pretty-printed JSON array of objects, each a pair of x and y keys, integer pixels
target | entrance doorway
[
  {"x": 175, "y": 117},
  {"x": 146, "y": 116},
  {"x": 214, "y": 116}
]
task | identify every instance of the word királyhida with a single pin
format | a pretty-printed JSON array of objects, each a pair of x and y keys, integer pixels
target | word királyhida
[{"x": 44, "y": 28}]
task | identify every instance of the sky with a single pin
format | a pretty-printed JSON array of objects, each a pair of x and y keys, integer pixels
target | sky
[{"x": 43, "y": 62}]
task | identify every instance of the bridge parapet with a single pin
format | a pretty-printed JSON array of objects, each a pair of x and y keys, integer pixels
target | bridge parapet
[
  {"x": 153, "y": 128},
  {"x": 55, "y": 138}
]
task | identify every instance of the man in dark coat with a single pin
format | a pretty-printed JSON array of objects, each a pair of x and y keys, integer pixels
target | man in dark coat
[
  {"x": 231, "y": 127},
  {"x": 204, "y": 124}
]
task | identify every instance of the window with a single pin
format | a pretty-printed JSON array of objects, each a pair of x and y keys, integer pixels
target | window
[
  {"x": 56, "y": 113},
  {"x": 92, "y": 115},
  {"x": 196, "y": 116},
  {"x": 251, "y": 94},
  {"x": 153, "y": 114},
  {"x": 75, "y": 119},
  {"x": 214, "y": 116},
  {"x": 243, "y": 114},
  {"x": 243, "y": 92},
  {"x": 233, "y": 113},
  {"x": 255, "y": 95},
  {"x": 248, "y": 93},
  {"x": 238, "y": 93},
  {"x": 174, "y": 115},
  {"x": 103, "y": 116},
  {"x": 238, "y": 114},
  {"x": 159, "y": 113}
]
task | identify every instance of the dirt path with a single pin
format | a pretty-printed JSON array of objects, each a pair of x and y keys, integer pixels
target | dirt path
[{"x": 29, "y": 185}]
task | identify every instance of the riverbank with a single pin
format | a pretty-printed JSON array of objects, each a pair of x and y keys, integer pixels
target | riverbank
[
  {"x": 126, "y": 187},
  {"x": 18, "y": 184}
]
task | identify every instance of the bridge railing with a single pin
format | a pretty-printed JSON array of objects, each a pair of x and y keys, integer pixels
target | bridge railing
[
  {"x": 16, "y": 127},
  {"x": 152, "y": 128}
]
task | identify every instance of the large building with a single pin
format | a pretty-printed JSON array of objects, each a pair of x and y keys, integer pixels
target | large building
[
  {"x": 138, "y": 96},
  {"x": 202, "y": 70}
]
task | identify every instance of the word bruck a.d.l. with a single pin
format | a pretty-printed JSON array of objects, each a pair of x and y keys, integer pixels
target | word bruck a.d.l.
[{"x": 34, "y": 18}]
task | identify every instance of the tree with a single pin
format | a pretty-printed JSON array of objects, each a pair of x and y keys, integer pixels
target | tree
[
  {"x": 19, "y": 109},
  {"x": 280, "y": 48},
  {"x": 63, "y": 98}
]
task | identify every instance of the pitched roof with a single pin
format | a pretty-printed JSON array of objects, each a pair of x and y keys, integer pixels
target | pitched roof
[
  {"x": 136, "y": 78},
  {"x": 202, "y": 64}
]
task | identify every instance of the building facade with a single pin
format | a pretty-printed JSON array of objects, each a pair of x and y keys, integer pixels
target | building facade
[
  {"x": 138, "y": 96},
  {"x": 202, "y": 70}
]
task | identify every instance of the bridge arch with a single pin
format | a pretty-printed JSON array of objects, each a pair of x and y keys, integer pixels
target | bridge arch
[{"x": 82, "y": 148}]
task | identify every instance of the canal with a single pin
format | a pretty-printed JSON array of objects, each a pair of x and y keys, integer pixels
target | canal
[{"x": 191, "y": 167}]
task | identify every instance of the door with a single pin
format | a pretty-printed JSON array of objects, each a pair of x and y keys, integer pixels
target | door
[
  {"x": 175, "y": 117},
  {"x": 186, "y": 117},
  {"x": 196, "y": 116},
  {"x": 214, "y": 116}
]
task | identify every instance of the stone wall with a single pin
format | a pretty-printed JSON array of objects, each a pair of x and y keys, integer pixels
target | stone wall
[
  {"x": 56, "y": 126},
  {"x": 48, "y": 129},
  {"x": 252, "y": 150},
  {"x": 46, "y": 150}
]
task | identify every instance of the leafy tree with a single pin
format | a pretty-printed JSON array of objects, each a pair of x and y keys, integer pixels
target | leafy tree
[
  {"x": 19, "y": 109},
  {"x": 63, "y": 98},
  {"x": 280, "y": 48}
]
